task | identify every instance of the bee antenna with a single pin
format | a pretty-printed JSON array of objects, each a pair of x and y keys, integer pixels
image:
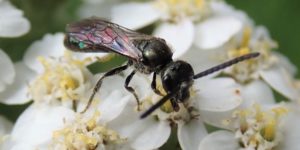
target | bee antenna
[{"x": 226, "y": 64}]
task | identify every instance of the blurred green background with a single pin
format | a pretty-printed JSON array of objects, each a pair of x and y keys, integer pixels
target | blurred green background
[{"x": 281, "y": 17}]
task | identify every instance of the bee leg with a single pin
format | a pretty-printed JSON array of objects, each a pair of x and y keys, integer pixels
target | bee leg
[
  {"x": 153, "y": 85},
  {"x": 99, "y": 82},
  {"x": 130, "y": 89},
  {"x": 174, "y": 104}
]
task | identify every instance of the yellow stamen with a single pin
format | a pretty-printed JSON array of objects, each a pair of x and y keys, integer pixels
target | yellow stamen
[
  {"x": 199, "y": 3},
  {"x": 167, "y": 107},
  {"x": 268, "y": 132},
  {"x": 44, "y": 62},
  {"x": 67, "y": 82},
  {"x": 89, "y": 141},
  {"x": 83, "y": 134},
  {"x": 91, "y": 124},
  {"x": 279, "y": 111},
  {"x": 238, "y": 52},
  {"x": 243, "y": 120},
  {"x": 246, "y": 37},
  {"x": 176, "y": 10},
  {"x": 258, "y": 114}
]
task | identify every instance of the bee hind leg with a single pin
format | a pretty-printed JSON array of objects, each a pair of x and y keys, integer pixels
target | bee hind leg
[{"x": 99, "y": 82}]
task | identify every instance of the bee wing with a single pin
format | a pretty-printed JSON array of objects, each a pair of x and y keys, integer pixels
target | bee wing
[{"x": 97, "y": 35}]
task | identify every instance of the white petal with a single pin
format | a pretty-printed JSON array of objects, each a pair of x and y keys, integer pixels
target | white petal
[
  {"x": 97, "y": 8},
  {"x": 135, "y": 15},
  {"x": 142, "y": 85},
  {"x": 5, "y": 126},
  {"x": 190, "y": 134},
  {"x": 94, "y": 56},
  {"x": 111, "y": 84},
  {"x": 221, "y": 8},
  {"x": 143, "y": 134},
  {"x": 51, "y": 45},
  {"x": 279, "y": 79},
  {"x": 17, "y": 93},
  {"x": 112, "y": 106},
  {"x": 12, "y": 24},
  {"x": 257, "y": 92},
  {"x": 7, "y": 73},
  {"x": 286, "y": 63},
  {"x": 151, "y": 134},
  {"x": 139, "y": 82},
  {"x": 261, "y": 34},
  {"x": 291, "y": 132},
  {"x": 34, "y": 128},
  {"x": 220, "y": 140},
  {"x": 203, "y": 60},
  {"x": 179, "y": 36},
  {"x": 218, "y": 99},
  {"x": 220, "y": 94},
  {"x": 215, "y": 31}
]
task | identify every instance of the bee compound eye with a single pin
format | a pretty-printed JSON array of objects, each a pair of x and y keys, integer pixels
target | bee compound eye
[{"x": 144, "y": 61}]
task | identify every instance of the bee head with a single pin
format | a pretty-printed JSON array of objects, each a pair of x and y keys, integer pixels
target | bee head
[{"x": 177, "y": 75}]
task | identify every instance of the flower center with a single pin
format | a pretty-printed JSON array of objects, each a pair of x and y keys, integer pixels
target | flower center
[
  {"x": 185, "y": 113},
  {"x": 247, "y": 70},
  {"x": 62, "y": 79},
  {"x": 259, "y": 129},
  {"x": 176, "y": 10},
  {"x": 85, "y": 134}
]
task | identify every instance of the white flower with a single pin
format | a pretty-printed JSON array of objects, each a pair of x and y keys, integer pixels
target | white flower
[
  {"x": 28, "y": 69},
  {"x": 257, "y": 128},
  {"x": 182, "y": 22},
  {"x": 34, "y": 127},
  {"x": 12, "y": 23},
  {"x": 270, "y": 69},
  {"x": 64, "y": 80},
  {"x": 274, "y": 68},
  {"x": 204, "y": 105},
  {"x": 86, "y": 133},
  {"x": 44, "y": 126}
]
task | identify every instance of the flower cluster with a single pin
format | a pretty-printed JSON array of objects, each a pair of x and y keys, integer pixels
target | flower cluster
[{"x": 238, "y": 102}]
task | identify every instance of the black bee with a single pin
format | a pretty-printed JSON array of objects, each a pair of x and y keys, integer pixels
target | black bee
[{"x": 147, "y": 54}]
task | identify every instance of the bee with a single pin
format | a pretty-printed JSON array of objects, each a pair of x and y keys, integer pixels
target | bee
[{"x": 146, "y": 54}]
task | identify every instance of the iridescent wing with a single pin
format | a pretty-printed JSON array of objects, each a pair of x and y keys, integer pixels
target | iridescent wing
[{"x": 97, "y": 35}]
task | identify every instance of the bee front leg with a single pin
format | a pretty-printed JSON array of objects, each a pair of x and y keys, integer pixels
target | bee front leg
[
  {"x": 153, "y": 85},
  {"x": 174, "y": 104}
]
